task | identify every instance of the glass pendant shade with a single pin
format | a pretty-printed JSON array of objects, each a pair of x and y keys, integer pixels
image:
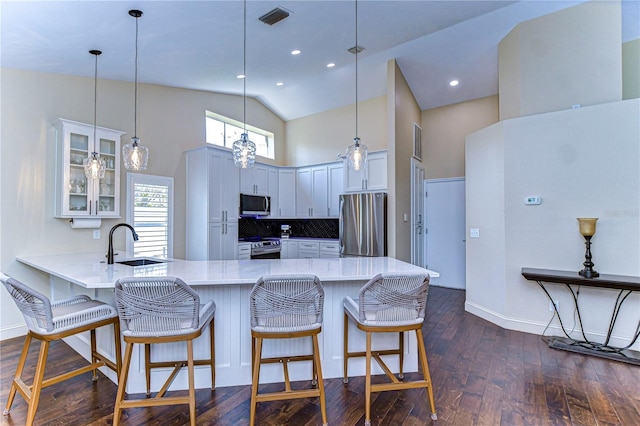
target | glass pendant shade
[
  {"x": 244, "y": 152},
  {"x": 94, "y": 166},
  {"x": 357, "y": 155},
  {"x": 134, "y": 155}
]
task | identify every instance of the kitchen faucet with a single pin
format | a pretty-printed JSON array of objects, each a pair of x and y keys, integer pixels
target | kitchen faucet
[{"x": 110, "y": 250}]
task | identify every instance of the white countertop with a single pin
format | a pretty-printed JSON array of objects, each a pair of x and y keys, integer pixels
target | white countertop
[{"x": 89, "y": 269}]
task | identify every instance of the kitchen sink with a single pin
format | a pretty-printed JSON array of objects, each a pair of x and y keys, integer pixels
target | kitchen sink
[{"x": 141, "y": 262}]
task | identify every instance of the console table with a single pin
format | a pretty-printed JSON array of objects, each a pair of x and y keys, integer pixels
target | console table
[{"x": 625, "y": 286}]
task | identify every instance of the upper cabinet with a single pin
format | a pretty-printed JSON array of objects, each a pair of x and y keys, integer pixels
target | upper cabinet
[
  {"x": 286, "y": 193},
  {"x": 76, "y": 195},
  {"x": 335, "y": 177},
  {"x": 254, "y": 180},
  {"x": 373, "y": 177},
  {"x": 311, "y": 192},
  {"x": 274, "y": 191},
  {"x": 318, "y": 190}
]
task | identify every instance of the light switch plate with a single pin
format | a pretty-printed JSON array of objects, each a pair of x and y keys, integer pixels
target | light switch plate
[
  {"x": 96, "y": 234},
  {"x": 474, "y": 233}
]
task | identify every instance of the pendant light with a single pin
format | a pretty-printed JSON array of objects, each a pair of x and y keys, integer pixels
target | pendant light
[
  {"x": 135, "y": 156},
  {"x": 356, "y": 153},
  {"x": 244, "y": 151},
  {"x": 94, "y": 165}
]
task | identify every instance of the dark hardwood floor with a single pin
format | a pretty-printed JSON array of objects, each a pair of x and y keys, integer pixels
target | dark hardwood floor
[{"x": 482, "y": 375}]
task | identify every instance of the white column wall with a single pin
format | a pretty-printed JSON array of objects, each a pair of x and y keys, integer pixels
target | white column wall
[{"x": 583, "y": 163}]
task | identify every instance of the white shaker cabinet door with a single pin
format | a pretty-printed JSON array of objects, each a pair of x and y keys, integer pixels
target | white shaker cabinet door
[
  {"x": 376, "y": 179},
  {"x": 335, "y": 186},
  {"x": 373, "y": 177},
  {"x": 320, "y": 194},
  {"x": 287, "y": 193},
  {"x": 223, "y": 241},
  {"x": 254, "y": 180}
]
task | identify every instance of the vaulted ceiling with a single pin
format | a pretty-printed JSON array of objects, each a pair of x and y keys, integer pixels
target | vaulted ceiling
[{"x": 199, "y": 45}]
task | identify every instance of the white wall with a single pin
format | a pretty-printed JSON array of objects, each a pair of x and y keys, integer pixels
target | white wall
[
  {"x": 444, "y": 130},
  {"x": 320, "y": 137},
  {"x": 170, "y": 121},
  {"x": 583, "y": 163},
  {"x": 573, "y": 56}
]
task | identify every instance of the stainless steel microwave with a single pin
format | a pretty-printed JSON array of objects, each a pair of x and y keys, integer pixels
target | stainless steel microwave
[{"x": 255, "y": 205}]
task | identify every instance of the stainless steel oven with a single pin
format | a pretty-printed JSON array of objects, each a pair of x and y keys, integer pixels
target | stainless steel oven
[{"x": 266, "y": 249}]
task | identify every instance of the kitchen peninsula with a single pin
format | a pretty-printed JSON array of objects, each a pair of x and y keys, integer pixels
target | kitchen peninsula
[{"x": 228, "y": 282}]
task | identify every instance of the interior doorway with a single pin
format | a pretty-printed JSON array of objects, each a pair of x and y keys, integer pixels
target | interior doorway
[
  {"x": 417, "y": 213},
  {"x": 445, "y": 231}
]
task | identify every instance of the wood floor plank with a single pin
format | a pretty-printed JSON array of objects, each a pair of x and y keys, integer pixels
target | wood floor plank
[{"x": 482, "y": 375}]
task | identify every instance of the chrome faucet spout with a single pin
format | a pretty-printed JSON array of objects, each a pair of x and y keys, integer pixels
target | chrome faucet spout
[{"x": 110, "y": 249}]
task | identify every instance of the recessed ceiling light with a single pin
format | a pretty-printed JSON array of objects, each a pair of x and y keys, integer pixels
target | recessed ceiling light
[
  {"x": 454, "y": 83},
  {"x": 240, "y": 76},
  {"x": 279, "y": 83},
  {"x": 331, "y": 65},
  {"x": 296, "y": 52}
]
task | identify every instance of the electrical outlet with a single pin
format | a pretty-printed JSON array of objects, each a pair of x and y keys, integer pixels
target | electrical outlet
[
  {"x": 96, "y": 234},
  {"x": 555, "y": 302},
  {"x": 474, "y": 233}
]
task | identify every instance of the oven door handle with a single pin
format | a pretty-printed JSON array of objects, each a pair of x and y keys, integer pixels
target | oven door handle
[{"x": 267, "y": 251}]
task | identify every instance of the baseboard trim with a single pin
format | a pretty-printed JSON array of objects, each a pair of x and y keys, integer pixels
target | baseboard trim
[
  {"x": 533, "y": 327},
  {"x": 13, "y": 332}
]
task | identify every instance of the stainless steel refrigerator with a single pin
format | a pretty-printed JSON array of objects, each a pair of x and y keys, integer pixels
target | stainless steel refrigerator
[{"x": 363, "y": 224}]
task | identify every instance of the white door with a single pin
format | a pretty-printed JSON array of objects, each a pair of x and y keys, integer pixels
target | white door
[
  {"x": 417, "y": 213},
  {"x": 445, "y": 231}
]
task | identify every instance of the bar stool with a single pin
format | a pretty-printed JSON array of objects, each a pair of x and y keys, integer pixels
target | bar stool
[
  {"x": 48, "y": 322},
  {"x": 285, "y": 307},
  {"x": 161, "y": 310},
  {"x": 389, "y": 303}
]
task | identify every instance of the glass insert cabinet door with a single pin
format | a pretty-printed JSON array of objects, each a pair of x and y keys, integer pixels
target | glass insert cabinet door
[{"x": 77, "y": 195}]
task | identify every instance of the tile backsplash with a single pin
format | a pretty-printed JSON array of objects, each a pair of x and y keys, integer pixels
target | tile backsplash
[{"x": 302, "y": 228}]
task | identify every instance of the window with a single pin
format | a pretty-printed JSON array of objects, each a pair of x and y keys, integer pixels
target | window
[
  {"x": 224, "y": 131},
  {"x": 150, "y": 211}
]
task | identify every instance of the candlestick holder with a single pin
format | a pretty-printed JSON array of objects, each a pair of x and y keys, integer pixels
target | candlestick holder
[{"x": 588, "y": 230}]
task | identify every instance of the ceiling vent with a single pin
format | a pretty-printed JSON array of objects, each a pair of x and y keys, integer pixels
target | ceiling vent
[
  {"x": 355, "y": 49},
  {"x": 275, "y": 15}
]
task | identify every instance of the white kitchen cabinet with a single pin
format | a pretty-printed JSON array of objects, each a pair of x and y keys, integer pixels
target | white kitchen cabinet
[
  {"x": 287, "y": 192},
  {"x": 335, "y": 186},
  {"x": 308, "y": 249},
  {"x": 76, "y": 195},
  {"x": 273, "y": 192},
  {"x": 373, "y": 177},
  {"x": 289, "y": 249},
  {"x": 303, "y": 192},
  {"x": 312, "y": 192},
  {"x": 301, "y": 248},
  {"x": 254, "y": 180},
  {"x": 223, "y": 241},
  {"x": 244, "y": 251},
  {"x": 330, "y": 249},
  {"x": 212, "y": 200}
]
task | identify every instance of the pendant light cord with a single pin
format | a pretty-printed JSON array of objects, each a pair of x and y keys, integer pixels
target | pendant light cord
[
  {"x": 95, "y": 97},
  {"x": 357, "y": 49},
  {"x": 135, "y": 89},
  {"x": 244, "y": 68}
]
